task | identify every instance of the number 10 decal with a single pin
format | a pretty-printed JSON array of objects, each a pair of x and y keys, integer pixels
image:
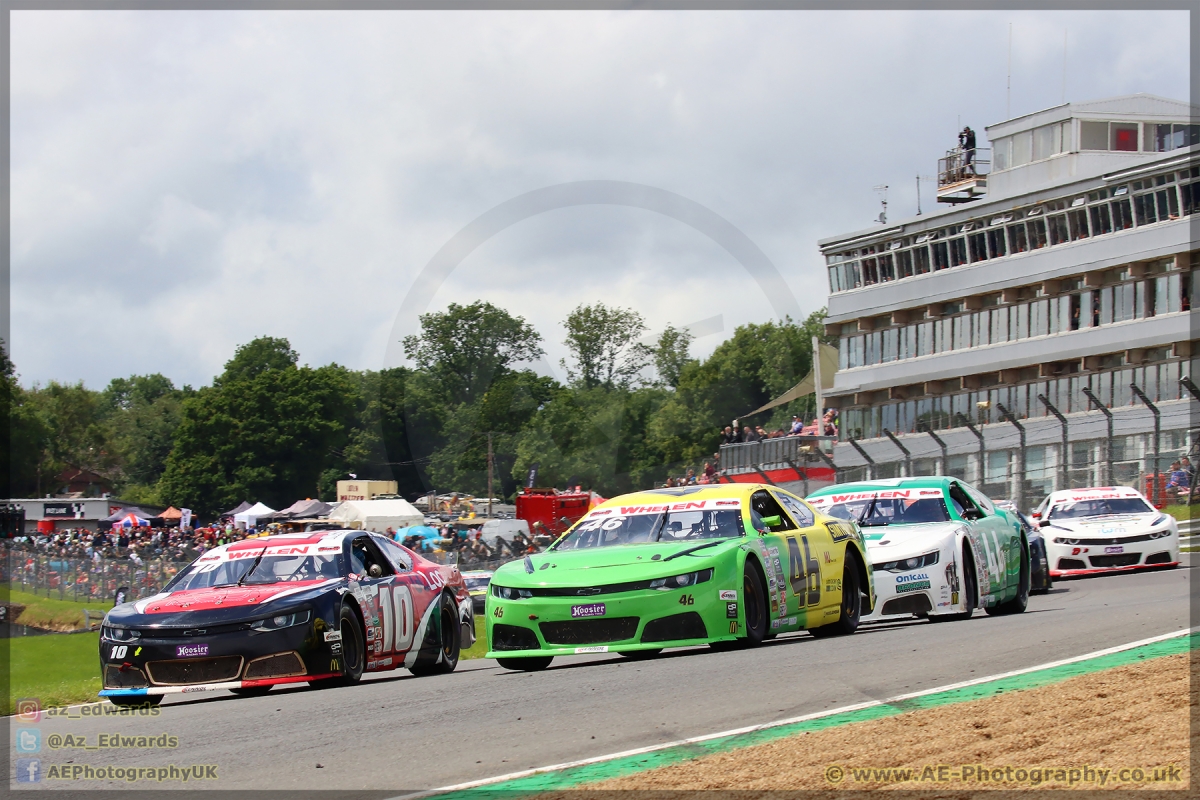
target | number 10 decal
[
  {"x": 806, "y": 572},
  {"x": 396, "y": 609}
]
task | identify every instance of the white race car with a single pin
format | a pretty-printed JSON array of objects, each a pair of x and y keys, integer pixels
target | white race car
[
  {"x": 938, "y": 547},
  {"x": 1105, "y": 529}
]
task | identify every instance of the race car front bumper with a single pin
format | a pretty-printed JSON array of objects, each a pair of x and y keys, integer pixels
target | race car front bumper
[
  {"x": 1129, "y": 555},
  {"x": 640, "y": 620},
  {"x": 228, "y": 657}
]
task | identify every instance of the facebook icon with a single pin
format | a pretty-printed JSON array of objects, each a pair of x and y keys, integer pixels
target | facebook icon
[{"x": 29, "y": 770}]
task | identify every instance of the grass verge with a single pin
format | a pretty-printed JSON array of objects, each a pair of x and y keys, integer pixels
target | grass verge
[
  {"x": 51, "y": 613},
  {"x": 1179, "y": 512},
  {"x": 61, "y": 669},
  {"x": 57, "y": 669}
]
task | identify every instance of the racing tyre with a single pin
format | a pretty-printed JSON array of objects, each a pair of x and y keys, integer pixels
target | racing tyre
[
  {"x": 970, "y": 590},
  {"x": 851, "y": 601},
  {"x": 640, "y": 655},
  {"x": 535, "y": 664},
  {"x": 443, "y": 644},
  {"x": 251, "y": 691},
  {"x": 1019, "y": 603},
  {"x": 352, "y": 650},
  {"x": 136, "y": 702},
  {"x": 754, "y": 589}
]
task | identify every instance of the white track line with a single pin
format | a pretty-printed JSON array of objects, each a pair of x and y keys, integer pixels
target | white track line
[{"x": 805, "y": 718}]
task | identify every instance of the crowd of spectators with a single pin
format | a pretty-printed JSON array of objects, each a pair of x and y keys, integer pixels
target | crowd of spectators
[
  {"x": 826, "y": 426},
  {"x": 135, "y": 544}
]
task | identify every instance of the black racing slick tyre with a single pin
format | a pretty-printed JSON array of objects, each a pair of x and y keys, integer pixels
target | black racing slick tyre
[
  {"x": 970, "y": 590},
  {"x": 443, "y": 642},
  {"x": 534, "y": 664},
  {"x": 754, "y": 592},
  {"x": 851, "y": 608},
  {"x": 353, "y": 650},
  {"x": 251, "y": 691},
  {"x": 1018, "y": 604},
  {"x": 150, "y": 700}
]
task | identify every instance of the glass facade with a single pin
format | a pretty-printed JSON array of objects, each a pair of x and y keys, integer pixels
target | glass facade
[{"x": 1101, "y": 212}]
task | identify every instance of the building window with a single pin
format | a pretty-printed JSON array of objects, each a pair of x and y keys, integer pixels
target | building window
[
  {"x": 1161, "y": 138},
  {"x": 1122, "y": 215},
  {"x": 1079, "y": 224},
  {"x": 921, "y": 260},
  {"x": 1058, "y": 229},
  {"x": 1093, "y": 135},
  {"x": 904, "y": 263},
  {"x": 1101, "y": 221},
  {"x": 996, "y": 244},
  {"x": 977, "y": 244},
  {"x": 958, "y": 251},
  {"x": 1022, "y": 148},
  {"x": 1037, "y": 233},
  {"x": 1123, "y": 137},
  {"x": 941, "y": 260},
  {"x": 1017, "y": 242}
]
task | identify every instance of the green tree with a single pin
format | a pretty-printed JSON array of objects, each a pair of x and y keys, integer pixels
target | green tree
[
  {"x": 671, "y": 353},
  {"x": 143, "y": 413},
  {"x": 604, "y": 346},
  {"x": 465, "y": 348},
  {"x": 266, "y": 430}
]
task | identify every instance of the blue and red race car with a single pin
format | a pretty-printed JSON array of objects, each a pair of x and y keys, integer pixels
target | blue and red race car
[{"x": 321, "y": 607}]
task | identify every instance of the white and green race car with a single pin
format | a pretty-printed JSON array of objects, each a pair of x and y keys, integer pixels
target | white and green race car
[{"x": 938, "y": 547}]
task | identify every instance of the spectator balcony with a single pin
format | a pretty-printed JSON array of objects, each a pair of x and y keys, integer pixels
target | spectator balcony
[{"x": 797, "y": 463}]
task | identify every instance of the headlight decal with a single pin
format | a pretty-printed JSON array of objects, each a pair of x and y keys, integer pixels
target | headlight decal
[
  {"x": 281, "y": 621},
  {"x": 908, "y": 564}
]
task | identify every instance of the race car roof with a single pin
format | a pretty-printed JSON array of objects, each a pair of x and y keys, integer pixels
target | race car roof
[
  {"x": 940, "y": 482},
  {"x": 300, "y": 538}
]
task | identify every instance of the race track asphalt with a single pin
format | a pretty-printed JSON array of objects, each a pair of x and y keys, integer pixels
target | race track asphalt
[{"x": 402, "y": 734}]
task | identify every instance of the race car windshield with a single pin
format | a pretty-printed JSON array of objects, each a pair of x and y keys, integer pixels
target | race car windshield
[
  {"x": 892, "y": 511},
  {"x": 1100, "y": 507},
  {"x": 477, "y": 583},
  {"x": 646, "y": 528},
  {"x": 272, "y": 569}
]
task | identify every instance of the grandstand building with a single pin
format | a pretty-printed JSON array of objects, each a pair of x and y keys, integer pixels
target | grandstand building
[{"x": 1063, "y": 263}]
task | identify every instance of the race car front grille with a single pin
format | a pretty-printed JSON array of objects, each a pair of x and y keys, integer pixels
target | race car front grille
[
  {"x": 1158, "y": 558},
  {"x": 1071, "y": 563},
  {"x": 915, "y": 603},
  {"x": 199, "y": 670},
  {"x": 512, "y": 637},
  {"x": 1145, "y": 537},
  {"x": 1120, "y": 560},
  {"x": 688, "y": 625},
  {"x": 280, "y": 665},
  {"x": 590, "y": 631},
  {"x": 128, "y": 678}
]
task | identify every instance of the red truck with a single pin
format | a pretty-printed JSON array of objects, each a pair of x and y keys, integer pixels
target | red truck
[{"x": 556, "y": 510}]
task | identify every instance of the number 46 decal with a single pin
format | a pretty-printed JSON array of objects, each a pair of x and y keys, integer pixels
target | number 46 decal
[{"x": 805, "y": 572}]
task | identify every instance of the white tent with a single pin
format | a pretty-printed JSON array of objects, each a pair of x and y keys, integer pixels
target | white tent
[
  {"x": 249, "y": 517},
  {"x": 378, "y": 515}
]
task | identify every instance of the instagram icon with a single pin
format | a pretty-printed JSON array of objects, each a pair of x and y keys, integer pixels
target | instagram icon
[{"x": 29, "y": 710}]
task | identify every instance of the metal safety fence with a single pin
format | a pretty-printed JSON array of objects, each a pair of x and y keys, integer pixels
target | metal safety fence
[{"x": 83, "y": 579}]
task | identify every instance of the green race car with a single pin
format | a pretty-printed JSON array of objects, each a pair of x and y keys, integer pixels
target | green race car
[{"x": 719, "y": 565}]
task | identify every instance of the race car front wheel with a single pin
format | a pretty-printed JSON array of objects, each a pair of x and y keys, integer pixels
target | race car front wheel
[
  {"x": 442, "y": 645},
  {"x": 969, "y": 588},
  {"x": 851, "y": 601},
  {"x": 352, "y": 650},
  {"x": 754, "y": 590}
]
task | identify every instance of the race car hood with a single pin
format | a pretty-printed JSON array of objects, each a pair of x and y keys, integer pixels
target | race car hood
[
  {"x": 1113, "y": 525},
  {"x": 891, "y": 542},
  {"x": 601, "y": 565},
  {"x": 216, "y": 605}
]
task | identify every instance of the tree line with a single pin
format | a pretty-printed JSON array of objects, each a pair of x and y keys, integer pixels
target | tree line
[{"x": 632, "y": 409}]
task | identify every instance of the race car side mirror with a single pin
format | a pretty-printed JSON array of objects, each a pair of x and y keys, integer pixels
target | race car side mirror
[
  {"x": 772, "y": 521},
  {"x": 1044, "y": 523}
]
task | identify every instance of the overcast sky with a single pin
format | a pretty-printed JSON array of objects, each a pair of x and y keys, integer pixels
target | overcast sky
[{"x": 185, "y": 181}]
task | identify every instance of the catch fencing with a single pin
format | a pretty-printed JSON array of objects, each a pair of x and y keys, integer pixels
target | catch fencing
[{"x": 83, "y": 579}]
